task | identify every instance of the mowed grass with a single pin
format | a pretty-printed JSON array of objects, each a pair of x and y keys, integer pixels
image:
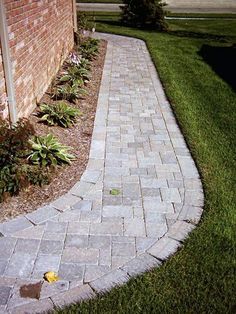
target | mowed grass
[{"x": 200, "y": 278}]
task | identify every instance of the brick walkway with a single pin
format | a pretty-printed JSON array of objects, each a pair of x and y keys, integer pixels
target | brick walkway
[{"x": 94, "y": 239}]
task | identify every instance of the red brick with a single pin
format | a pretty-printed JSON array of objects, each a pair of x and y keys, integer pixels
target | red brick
[{"x": 46, "y": 29}]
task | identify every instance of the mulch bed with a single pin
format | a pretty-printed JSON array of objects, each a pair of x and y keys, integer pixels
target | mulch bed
[{"x": 78, "y": 137}]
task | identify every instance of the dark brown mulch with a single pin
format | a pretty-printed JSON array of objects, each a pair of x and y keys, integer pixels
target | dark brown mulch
[{"x": 78, "y": 137}]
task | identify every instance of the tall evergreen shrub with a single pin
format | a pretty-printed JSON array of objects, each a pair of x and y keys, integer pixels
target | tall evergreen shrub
[{"x": 144, "y": 14}]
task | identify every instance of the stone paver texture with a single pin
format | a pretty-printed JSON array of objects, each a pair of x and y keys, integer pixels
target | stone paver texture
[{"x": 94, "y": 238}]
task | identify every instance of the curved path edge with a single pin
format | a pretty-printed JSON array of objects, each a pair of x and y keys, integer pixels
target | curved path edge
[{"x": 161, "y": 202}]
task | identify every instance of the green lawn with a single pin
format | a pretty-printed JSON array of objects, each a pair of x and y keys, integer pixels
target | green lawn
[{"x": 194, "y": 60}]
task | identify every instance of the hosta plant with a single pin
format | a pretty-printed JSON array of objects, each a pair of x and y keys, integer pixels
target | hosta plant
[
  {"x": 71, "y": 79},
  {"x": 89, "y": 48},
  {"x": 46, "y": 151},
  {"x": 75, "y": 75},
  {"x": 85, "y": 64},
  {"x": 58, "y": 114},
  {"x": 70, "y": 93}
]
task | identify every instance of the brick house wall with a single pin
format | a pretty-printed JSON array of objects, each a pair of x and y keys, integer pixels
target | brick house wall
[{"x": 40, "y": 38}]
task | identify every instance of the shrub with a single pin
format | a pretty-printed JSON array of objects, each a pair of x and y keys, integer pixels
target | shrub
[
  {"x": 10, "y": 180},
  {"x": 36, "y": 175},
  {"x": 84, "y": 23},
  {"x": 58, "y": 114},
  {"x": 14, "y": 141},
  {"x": 46, "y": 151},
  {"x": 14, "y": 148},
  {"x": 144, "y": 14}
]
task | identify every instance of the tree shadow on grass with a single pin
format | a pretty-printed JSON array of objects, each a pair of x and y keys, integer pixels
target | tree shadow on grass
[
  {"x": 222, "y": 60},
  {"x": 199, "y": 35},
  {"x": 178, "y": 33}
]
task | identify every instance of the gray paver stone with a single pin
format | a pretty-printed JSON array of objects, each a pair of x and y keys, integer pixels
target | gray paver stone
[
  {"x": 78, "y": 241},
  {"x": 74, "y": 295},
  {"x": 14, "y": 225},
  {"x": 42, "y": 214},
  {"x": 29, "y": 246},
  {"x": 71, "y": 271},
  {"x": 83, "y": 256},
  {"x": 65, "y": 202},
  {"x": 81, "y": 188},
  {"x": 117, "y": 211},
  {"x": 108, "y": 281},
  {"x": 35, "y": 307},
  {"x": 4, "y": 294},
  {"x": 141, "y": 264},
  {"x": 7, "y": 246},
  {"x": 20, "y": 265},
  {"x": 155, "y": 230},
  {"x": 134, "y": 227},
  {"x": 119, "y": 261},
  {"x": 99, "y": 242},
  {"x": 123, "y": 249},
  {"x": 164, "y": 247},
  {"x": 93, "y": 272},
  {"x": 3, "y": 265},
  {"x": 106, "y": 228},
  {"x": 81, "y": 228},
  {"x": 45, "y": 263},
  {"x": 15, "y": 298},
  {"x": 91, "y": 176},
  {"x": 144, "y": 243},
  {"x": 191, "y": 214},
  {"x": 51, "y": 247},
  {"x": 82, "y": 205},
  {"x": 55, "y": 227},
  {"x": 50, "y": 289},
  {"x": 35, "y": 232},
  {"x": 179, "y": 230}
]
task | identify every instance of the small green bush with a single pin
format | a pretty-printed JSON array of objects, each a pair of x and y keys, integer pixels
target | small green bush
[
  {"x": 15, "y": 174},
  {"x": 46, "y": 151},
  {"x": 144, "y": 14},
  {"x": 58, "y": 114},
  {"x": 10, "y": 180},
  {"x": 84, "y": 23},
  {"x": 36, "y": 175},
  {"x": 14, "y": 141}
]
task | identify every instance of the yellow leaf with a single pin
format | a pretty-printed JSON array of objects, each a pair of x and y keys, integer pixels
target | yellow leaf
[{"x": 51, "y": 276}]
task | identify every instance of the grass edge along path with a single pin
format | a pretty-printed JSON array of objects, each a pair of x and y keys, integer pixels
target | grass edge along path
[{"x": 200, "y": 278}]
